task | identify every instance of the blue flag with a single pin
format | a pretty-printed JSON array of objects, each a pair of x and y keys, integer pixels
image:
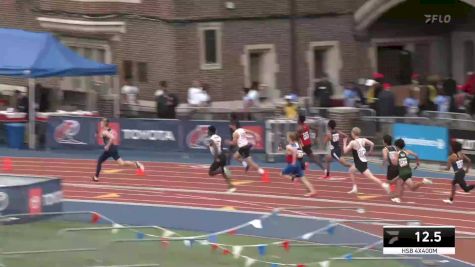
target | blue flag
[
  {"x": 262, "y": 250},
  {"x": 140, "y": 235},
  {"x": 213, "y": 239},
  {"x": 331, "y": 230},
  {"x": 348, "y": 257}
]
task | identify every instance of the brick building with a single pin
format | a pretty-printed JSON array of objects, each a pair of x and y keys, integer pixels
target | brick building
[{"x": 230, "y": 44}]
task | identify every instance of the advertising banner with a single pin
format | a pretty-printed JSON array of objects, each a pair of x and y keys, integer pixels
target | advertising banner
[
  {"x": 429, "y": 142},
  {"x": 196, "y": 134},
  {"x": 466, "y": 138},
  {"x": 158, "y": 135},
  {"x": 33, "y": 199},
  {"x": 71, "y": 132}
]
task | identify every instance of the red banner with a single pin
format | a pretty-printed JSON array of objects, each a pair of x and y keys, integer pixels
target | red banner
[{"x": 35, "y": 200}]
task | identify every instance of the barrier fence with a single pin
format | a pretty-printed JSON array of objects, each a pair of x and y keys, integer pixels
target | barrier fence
[{"x": 426, "y": 135}]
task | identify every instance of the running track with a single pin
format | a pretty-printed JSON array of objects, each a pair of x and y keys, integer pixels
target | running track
[{"x": 188, "y": 185}]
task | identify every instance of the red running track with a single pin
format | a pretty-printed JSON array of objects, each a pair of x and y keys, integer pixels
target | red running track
[{"x": 187, "y": 185}]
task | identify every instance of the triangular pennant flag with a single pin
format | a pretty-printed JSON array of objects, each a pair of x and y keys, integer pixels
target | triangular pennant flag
[
  {"x": 167, "y": 233},
  {"x": 307, "y": 236},
  {"x": 324, "y": 263},
  {"x": 116, "y": 227},
  {"x": 226, "y": 251},
  {"x": 237, "y": 251},
  {"x": 214, "y": 247},
  {"x": 213, "y": 239},
  {"x": 256, "y": 223},
  {"x": 232, "y": 232},
  {"x": 262, "y": 250},
  {"x": 140, "y": 235},
  {"x": 249, "y": 262},
  {"x": 204, "y": 242},
  {"x": 331, "y": 230},
  {"x": 165, "y": 243},
  {"x": 95, "y": 217},
  {"x": 348, "y": 257},
  {"x": 286, "y": 245},
  {"x": 300, "y": 265}
]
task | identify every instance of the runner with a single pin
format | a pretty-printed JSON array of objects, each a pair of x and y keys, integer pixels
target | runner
[
  {"x": 111, "y": 150},
  {"x": 243, "y": 154},
  {"x": 232, "y": 148},
  {"x": 333, "y": 136},
  {"x": 294, "y": 166},
  {"x": 390, "y": 157},
  {"x": 357, "y": 147},
  {"x": 219, "y": 163},
  {"x": 303, "y": 131},
  {"x": 456, "y": 161},
  {"x": 405, "y": 171}
]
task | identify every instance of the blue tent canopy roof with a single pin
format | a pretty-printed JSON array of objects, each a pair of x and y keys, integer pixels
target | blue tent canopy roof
[{"x": 35, "y": 55}]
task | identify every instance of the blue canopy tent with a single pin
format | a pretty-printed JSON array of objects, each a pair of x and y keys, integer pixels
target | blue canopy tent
[{"x": 39, "y": 55}]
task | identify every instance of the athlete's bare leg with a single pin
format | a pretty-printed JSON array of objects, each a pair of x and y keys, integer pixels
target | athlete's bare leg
[
  {"x": 369, "y": 174},
  {"x": 352, "y": 172}
]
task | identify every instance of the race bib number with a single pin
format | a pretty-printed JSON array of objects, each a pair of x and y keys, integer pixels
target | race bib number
[
  {"x": 305, "y": 136},
  {"x": 403, "y": 162},
  {"x": 459, "y": 164},
  {"x": 392, "y": 155},
  {"x": 335, "y": 137},
  {"x": 362, "y": 154},
  {"x": 299, "y": 154}
]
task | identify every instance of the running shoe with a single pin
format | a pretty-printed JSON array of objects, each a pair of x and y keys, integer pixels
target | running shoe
[
  {"x": 310, "y": 194},
  {"x": 231, "y": 190},
  {"x": 396, "y": 200},
  {"x": 95, "y": 179},
  {"x": 354, "y": 190},
  {"x": 448, "y": 201},
  {"x": 140, "y": 166},
  {"x": 426, "y": 181}
]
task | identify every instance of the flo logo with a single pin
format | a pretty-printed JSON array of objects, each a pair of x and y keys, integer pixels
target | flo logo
[
  {"x": 198, "y": 137},
  {"x": 437, "y": 19}
]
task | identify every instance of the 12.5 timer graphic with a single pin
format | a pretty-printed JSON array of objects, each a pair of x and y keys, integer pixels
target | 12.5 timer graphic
[{"x": 419, "y": 240}]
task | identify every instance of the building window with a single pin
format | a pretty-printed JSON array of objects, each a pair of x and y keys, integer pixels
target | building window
[
  {"x": 142, "y": 72},
  {"x": 94, "y": 50},
  {"x": 128, "y": 69},
  {"x": 210, "y": 44},
  {"x": 468, "y": 53}
]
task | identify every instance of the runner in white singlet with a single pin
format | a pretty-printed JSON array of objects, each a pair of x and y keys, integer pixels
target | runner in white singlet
[{"x": 357, "y": 147}]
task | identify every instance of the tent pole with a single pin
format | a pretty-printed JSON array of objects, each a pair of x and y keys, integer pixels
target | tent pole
[{"x": 31, "y": 113}]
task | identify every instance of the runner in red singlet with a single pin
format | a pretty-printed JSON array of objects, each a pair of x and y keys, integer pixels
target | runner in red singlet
[{"x": 303, "y": 130}]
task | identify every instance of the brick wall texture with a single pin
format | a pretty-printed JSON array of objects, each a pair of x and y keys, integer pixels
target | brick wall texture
[{"x": 164, "y": 34}]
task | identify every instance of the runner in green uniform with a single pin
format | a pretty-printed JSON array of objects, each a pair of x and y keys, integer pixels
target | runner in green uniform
[{"x": 405, "y": 171}]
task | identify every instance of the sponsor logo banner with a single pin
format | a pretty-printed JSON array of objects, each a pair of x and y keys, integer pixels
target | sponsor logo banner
[
  {"x": 429, "y": 142},
  {"x": 35, "y": 202},
  {"x": 161, "y": 135},
  {"x": 66, "y": 132},
  {"x": 71, "y": 132}
]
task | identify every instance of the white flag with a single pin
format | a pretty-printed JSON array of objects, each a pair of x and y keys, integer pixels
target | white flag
[
  {"x": 187, "y": 243},
  {"x": 249, "y": 262},
  {"x": 204, "y": 242},
  {"x": 324, "y": 263},
  {"x": 116, "y": 228},
  {"x": 256, "y": 223},
  {"x": 167, "y": 233},
  {"x": 237, "y": 251},
  {"x": 307, "y": 236}
]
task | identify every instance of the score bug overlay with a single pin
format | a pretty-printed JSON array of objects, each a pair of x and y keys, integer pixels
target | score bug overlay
[{"x": 419, "y": 240}]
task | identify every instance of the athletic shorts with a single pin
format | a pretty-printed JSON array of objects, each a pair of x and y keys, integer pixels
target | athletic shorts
[
  {"x": 459, "y": 177},
  {"x": 293, "y": 170},
  {"x": 302, "y": 163},
  {"x": 404, "y": 175},
  {"x": 361, "y": 166},
  {"x": 113, "y": 152},
  {"x": 307, "y": 149},
  {"x": 393, "y": 172},
  {"x": 245, "y": 151},
  {"x": 218, "y": 164},
  {"x": 336, "y": 154}
]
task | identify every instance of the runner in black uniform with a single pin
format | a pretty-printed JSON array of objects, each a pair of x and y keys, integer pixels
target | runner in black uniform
[
  {"x": 333, "y": 136},
  {"x": 390, "y": 157},
  {"x": 405, "y": 171},
  {"x": 456, "y": 161},
  {"x": 111, "y": 151},
  {"x": 219, "y": 158},
  {"x": 358, "y": 150}
]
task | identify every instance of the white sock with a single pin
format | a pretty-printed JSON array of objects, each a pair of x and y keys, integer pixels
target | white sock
[
  {"x": 244, "y": 163},
  {"x": 260, "y": 171}
]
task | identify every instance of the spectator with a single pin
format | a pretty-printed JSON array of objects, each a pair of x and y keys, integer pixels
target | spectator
[
  {"x": 442, "y": 101},
  {"x": 130, "y": 96},
  {"x": 291, "y": 110},
  {"x": 350, "y": 96},
  {"x": 323, "y": 91},
  {"x": 161, "y": 100},
  {"x": 469, "y": 88},
  {"x": 205, "y": 98},
  {"x": 172, "y": 103},
  {"x": 386, "y": 102},
  {"x": 195, "y": 93},
  {"x": 412, "y": 104},
  {"x": 450, "y": 88},
  {"x": 251, "y": 97}
]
